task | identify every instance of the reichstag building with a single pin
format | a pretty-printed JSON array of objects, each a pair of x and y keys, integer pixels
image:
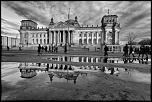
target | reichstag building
[{"x": 71, "y": 32}]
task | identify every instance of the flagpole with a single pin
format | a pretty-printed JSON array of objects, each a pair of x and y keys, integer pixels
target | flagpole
[
  {"x": 68, "y": 28},
  {"x": 68, "y": 24}
]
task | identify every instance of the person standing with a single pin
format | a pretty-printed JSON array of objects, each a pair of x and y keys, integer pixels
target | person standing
[
  {"x": 56, "y": 49},
  {"x": 39, "y": 50},
  {"x": 106, "y": 50},
  {"x": 52, "y": 48},
  {"x": 45, "y": 48},
  {"x": 7, "y": 48},
  {"x": 142, "y": 51},
  {"x": 20, "y": 48},
  {"x": 49, "y": 48}
]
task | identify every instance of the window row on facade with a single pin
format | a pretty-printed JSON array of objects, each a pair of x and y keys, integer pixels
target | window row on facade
[
  {"x": 89, "y": 35},
  {"x": 39, "y": 35},
  {"x": 89, "y": 41},
  {"x": 39, "y": 41}
]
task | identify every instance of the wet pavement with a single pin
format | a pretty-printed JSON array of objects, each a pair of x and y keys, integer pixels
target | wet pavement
[
  {"x": 24, "y": 81},
  {"x": 14, "y": 72},
  {"x": 99, "y": 59}
]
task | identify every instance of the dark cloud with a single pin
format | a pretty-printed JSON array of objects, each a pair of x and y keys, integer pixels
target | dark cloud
[
  {"x": 10, "y": 23},
  {"x": 131, "y": 14},
  {"x": 136, "y": 18}
]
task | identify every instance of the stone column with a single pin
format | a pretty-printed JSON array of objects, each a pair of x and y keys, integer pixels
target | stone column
[
  {"x": 117, "y": 37},
  {"x": 87, "y": 37},
  {"x": 82, "y": 59},
  {"x": 64, "y": 36},
  {"x": 82, "y": 38},
  {"x": 56, "y": 37},
  {"x": 91, "y": 60},
  {"x": 72, "y": 36},
  {"x": 52, "y": 37},
  {"x": 92, "y": 37},
  {"x": 97, "y": 37},
  {"x": 113, "y": 35},
  {"x": 86, "y": 59},
  {"x": 59, "y": 37},
  {"x": 69, "y": 37}
]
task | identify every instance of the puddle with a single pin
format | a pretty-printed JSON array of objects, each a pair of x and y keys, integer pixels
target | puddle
[
  {"x": 98, "y": 59},
  {"x": 15, "y": 72}
]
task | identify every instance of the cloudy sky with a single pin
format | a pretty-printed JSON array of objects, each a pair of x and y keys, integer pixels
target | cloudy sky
[{"x": 133, "y": 16}]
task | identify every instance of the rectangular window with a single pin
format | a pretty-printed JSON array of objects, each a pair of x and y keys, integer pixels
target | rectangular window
[
  {"x": 99, "y": 34},
  {"x": 33, "y": 41},
  {"x": 37, "y": 41}
]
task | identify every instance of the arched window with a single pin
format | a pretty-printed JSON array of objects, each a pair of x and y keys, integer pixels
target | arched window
[
  {"x": 94, "y": 41},
  {"x": 85, "y": 41},
  {"x": 94, "y": 34},
  {"x": 80, "y": 41},
  {"x": 90, "y": 41},
  {"x": 99, "y": 41},
  {"x": 37, "y": 41},
  {"x": 44, "y": 41},
  {"x": 90, "y": 35}
]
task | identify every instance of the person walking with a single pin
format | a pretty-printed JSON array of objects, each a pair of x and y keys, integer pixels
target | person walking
[
  {"x": 125, "y": 49},
  {"x": 45, "y": 48},
  {"x": 106, "y": 50},
  {"x": 39, "y": 50},
  {"x": 131, "y": 51},
  {"x": 65, "y": 48},
  {"x": 142, "y": 51}
]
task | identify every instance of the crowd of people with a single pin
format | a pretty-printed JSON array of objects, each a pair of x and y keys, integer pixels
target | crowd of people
[
  {"x": 52, "y": 48},
  {"x": 131, "y": 50}
]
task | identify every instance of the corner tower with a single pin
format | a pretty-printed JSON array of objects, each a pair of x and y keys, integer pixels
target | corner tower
[{"x": 110, "y": 29}]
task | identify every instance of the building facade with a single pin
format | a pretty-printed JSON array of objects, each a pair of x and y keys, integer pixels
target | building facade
[{"x": 70, "y": 32}]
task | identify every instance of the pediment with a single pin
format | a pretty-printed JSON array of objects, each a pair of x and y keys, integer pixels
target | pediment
[{"x": 62, "y": 25}]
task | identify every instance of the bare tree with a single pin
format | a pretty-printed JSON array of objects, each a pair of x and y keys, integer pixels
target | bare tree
[{"x": 131, "y": 38}]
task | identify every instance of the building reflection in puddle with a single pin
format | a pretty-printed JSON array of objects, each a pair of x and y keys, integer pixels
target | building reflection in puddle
[
  {"x": 100, "y": 59},
  {"x": 71, "y": 73}
]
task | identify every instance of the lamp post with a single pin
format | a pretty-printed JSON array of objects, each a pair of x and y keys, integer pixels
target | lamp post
[{"x": 16, "y": 39}]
